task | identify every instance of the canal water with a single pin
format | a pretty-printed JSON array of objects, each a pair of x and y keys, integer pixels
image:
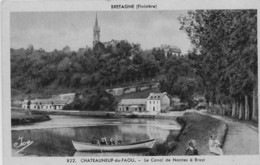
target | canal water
[{"x": 53, "y": 138}]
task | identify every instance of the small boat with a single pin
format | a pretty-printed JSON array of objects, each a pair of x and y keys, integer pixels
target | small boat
[{"x": 85, "y": 146}]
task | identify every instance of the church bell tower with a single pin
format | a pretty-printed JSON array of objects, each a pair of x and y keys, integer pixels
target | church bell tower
[{"x": 96, "y": 30}]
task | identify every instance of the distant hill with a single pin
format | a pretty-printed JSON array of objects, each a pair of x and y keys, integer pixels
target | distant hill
[{"x": 37, "y": 73}]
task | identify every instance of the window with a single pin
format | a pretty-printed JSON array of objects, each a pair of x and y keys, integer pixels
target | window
[
  {"x": 126, "y": 108},
  {"x": 153, "y": 108}
]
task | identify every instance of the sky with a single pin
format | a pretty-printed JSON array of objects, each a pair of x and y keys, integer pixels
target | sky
[{"x": 55, "y": 30}]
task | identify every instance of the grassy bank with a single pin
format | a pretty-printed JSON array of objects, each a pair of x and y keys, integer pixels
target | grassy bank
[
  {"x": 199, "y": 127},
  {"x": 18, "y": 117}
]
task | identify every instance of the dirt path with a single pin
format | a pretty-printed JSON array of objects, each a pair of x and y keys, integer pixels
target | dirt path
[{"x": 242, "y": 138}]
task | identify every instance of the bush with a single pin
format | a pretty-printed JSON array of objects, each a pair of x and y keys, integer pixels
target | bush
[{"x": 93, "y": 100}]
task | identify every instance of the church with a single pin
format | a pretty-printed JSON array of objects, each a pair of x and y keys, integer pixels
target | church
[
  {"x": 96, "y": 30},
  {"x": 96, "y": 36},
  {"x": 168, "y": 49}
]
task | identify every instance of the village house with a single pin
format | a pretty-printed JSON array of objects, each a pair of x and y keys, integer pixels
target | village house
[
  {"x": 57, "y": 102},
  {"x": 155, "y": 102},
  {"x": 169, "y": 50},
  {"x": 131, "y": 105}
]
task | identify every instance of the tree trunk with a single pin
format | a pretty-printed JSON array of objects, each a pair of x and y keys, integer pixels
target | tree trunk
[
  {"x": 223, "y": 109},
  {"x": 214, "y": 108},
  {"x": 233, "y": 113},
  {"x": 255, "y": 105},
  {"x": 229, "y": 110},
  {"x": 246, "y": 108},
  {"x": 237, "y": 109},
  {"x": 240, "y": 115},
  {"x": 218, "y": 110},
  {"x": 210, "y": 107}
]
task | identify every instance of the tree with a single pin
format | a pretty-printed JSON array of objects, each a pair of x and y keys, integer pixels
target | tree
[
  {"x": 103, "y": 66},
  {"x": 179, "y": 79},
  {"x": 29, "y": 49},
  {"x": 94, "y": 100},
  {"x": 66, "y": 49},
  {"x": 226, "y": 42}
]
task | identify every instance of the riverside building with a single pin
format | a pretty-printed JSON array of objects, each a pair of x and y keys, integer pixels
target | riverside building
[{"x": 155, "y": 102}]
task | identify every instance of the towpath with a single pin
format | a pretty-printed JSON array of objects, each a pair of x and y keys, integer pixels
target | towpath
[{"x": 242, "y": 137}]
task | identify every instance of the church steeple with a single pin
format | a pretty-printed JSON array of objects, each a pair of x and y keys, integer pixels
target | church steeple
[
  {"x": 96, "y": 30},
  {"x": 96, "y": 23}
]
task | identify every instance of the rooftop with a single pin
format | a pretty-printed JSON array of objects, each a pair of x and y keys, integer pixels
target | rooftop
[
  {"x": 49, "y": 101},
  {"x": 170, "y": 48},
  {"x": 132, "y": 101},
  {"x": 156, "y": 96}
]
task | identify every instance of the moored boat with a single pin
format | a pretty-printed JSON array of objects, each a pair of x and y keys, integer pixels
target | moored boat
[{"x": 85, "y": 146}]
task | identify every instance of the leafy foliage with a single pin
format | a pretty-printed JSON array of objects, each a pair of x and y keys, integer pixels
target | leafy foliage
[
  {"x": 102, "y": 66},
  {"x": 96, "y": 99},
  {"x": 180, "y": 79},
  {"x": 225, "y": 52}
]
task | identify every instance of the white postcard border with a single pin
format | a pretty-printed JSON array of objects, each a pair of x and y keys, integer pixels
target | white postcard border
[{"x": 100, "y": 5}]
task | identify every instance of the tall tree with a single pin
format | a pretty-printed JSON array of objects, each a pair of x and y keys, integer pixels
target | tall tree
[{"x": 226, "y": 42}]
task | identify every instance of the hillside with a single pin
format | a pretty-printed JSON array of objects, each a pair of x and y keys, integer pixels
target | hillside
[
  {"x": 41, "y": 74},
  {"x": 37, "y": 73},
  {"x": 140, "y": 94}
]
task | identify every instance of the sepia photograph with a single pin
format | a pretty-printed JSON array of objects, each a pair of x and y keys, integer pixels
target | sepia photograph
[{"x": 134, "y": 83}]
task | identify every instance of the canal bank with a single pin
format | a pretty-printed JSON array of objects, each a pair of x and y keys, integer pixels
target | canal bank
[
  {"x": 193, "y": 126},
  {"x": 199, "y": 127},
  {"x": 21, "y": 118},
  {"x": 242, "y": 137},
  {"x": 111, "y": 114}
]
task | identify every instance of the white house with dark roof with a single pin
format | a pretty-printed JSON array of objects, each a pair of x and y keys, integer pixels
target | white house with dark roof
[
  {"x": 54, "y": 103},
  {"x": 157, "y": 102},
  {"x": 170, "y": 50},
  {"x": 131, "y": 105}
]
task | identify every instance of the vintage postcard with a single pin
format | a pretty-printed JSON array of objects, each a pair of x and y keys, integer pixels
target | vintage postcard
[{"x": 123, "y": 82}]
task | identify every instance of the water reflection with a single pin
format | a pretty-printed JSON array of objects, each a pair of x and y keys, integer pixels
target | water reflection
[{"x": 57, "y": 141}]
